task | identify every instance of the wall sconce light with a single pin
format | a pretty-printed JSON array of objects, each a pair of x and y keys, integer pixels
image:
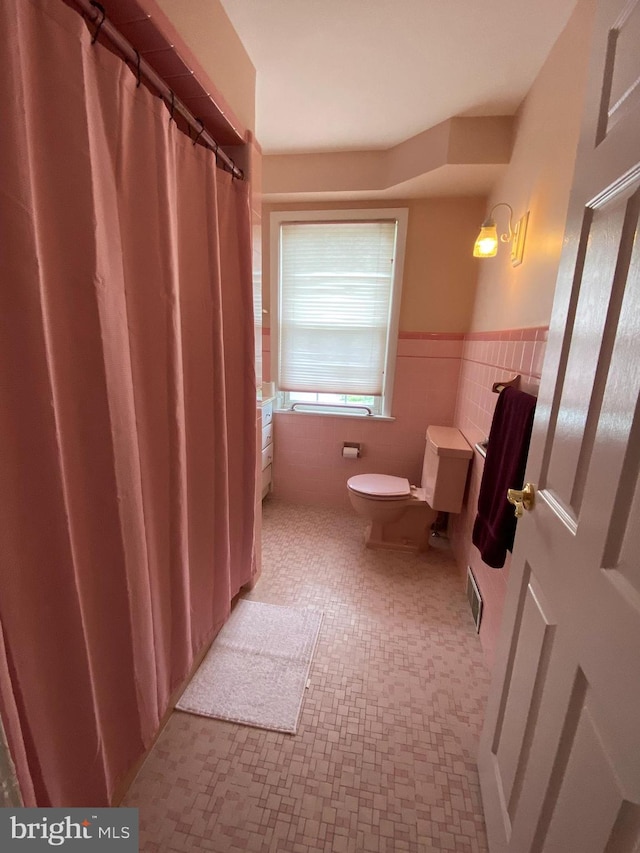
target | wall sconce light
[{"x": 486, "y": 245}]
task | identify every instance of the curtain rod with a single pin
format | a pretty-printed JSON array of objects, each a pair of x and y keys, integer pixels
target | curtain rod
[{"x": 96, "y": 15}]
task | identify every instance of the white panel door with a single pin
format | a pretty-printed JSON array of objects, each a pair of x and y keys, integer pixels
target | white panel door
[{"x": 560, "y": 752}]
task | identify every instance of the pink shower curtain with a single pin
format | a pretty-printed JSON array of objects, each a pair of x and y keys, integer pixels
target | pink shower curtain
[{"x": 127, "y": 406}]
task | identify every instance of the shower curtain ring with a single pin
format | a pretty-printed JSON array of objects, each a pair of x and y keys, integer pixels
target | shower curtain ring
[
  {"x": 173, "y": 106},
  {"x": 138, "y": 77},
  {"x": 100, "y": 8},
  {"x": 201, "y": 131}
]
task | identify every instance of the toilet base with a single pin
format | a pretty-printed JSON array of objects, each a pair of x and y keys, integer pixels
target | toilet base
[{"x": 410, "y": 532}]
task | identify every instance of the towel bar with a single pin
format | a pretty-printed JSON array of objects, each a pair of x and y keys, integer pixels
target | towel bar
[
  {"x": 497, "y": 387},
  {"x": 330, "y": 406}
]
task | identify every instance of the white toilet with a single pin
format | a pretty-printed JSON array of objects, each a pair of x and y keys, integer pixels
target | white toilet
[{"x": 400, "y": 514}]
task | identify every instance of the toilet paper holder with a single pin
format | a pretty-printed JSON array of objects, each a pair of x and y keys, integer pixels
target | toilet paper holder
[{"x": 351, "y": 450}]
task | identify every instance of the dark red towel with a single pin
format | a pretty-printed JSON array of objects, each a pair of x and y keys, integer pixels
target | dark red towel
[{"x": 504, "y": 467}]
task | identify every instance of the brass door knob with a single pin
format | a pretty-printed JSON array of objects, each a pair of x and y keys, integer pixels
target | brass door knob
[{"x": 522, "y": 499}]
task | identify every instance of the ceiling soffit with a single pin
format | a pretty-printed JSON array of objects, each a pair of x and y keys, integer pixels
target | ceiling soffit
[{"x": 478, "y": 141}]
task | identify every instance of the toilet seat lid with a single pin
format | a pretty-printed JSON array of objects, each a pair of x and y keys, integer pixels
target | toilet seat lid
[{"x": 380, "y": 485}]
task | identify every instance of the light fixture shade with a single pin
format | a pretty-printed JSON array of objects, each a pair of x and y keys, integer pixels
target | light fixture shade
[{"x": 486, "y": 245}]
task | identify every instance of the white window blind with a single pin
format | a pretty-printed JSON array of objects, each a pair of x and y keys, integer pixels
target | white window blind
[{"x": 336, "y": 284}]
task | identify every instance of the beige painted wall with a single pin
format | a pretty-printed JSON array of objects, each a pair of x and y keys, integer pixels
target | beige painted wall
[
  {"x": 439, "y": 272},
  {"x": 538, "y": 179},
  {"x": 207, "y": 30}
]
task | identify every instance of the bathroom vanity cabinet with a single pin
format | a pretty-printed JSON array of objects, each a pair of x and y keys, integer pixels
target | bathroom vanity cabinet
[{"x": 267, "y": 445}]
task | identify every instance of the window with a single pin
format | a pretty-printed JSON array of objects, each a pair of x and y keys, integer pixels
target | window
[{"x": 337, "y": 277}]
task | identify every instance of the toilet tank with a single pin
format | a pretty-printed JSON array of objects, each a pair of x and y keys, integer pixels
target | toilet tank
[{"x": 444, "y": 472}]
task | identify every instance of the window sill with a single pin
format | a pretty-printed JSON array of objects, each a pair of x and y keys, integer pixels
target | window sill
[{"x": 350, "y": 415}]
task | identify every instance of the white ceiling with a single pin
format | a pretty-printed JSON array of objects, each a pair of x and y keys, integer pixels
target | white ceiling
[{"x": 367, "y": 74}]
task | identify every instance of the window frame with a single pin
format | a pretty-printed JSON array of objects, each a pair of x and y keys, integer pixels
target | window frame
[{"x": 398, "y": 214}]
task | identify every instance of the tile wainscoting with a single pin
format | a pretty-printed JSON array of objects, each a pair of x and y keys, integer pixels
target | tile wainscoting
[
  {"x": 489, "y": 357},
  {"x": 308, "y": 465}
]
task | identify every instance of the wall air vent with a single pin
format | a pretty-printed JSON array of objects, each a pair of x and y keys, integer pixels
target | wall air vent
[{"x": 474, "y": 597}]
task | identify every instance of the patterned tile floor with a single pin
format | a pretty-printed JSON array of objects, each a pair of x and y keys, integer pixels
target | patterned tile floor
[{"x": 384, "y": 755}]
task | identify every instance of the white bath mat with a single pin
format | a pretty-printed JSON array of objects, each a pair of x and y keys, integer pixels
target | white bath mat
[{"x": 256, "y": 670}]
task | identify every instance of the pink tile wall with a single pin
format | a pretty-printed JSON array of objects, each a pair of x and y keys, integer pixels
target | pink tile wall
[
  {"x": 489, "y": 357},
  {"x": 266, "y": 354},
  {"x": 308, "y": 463}
]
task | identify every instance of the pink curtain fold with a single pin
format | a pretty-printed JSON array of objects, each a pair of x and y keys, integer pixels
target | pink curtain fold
[{"x": 127, "y": 406}]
